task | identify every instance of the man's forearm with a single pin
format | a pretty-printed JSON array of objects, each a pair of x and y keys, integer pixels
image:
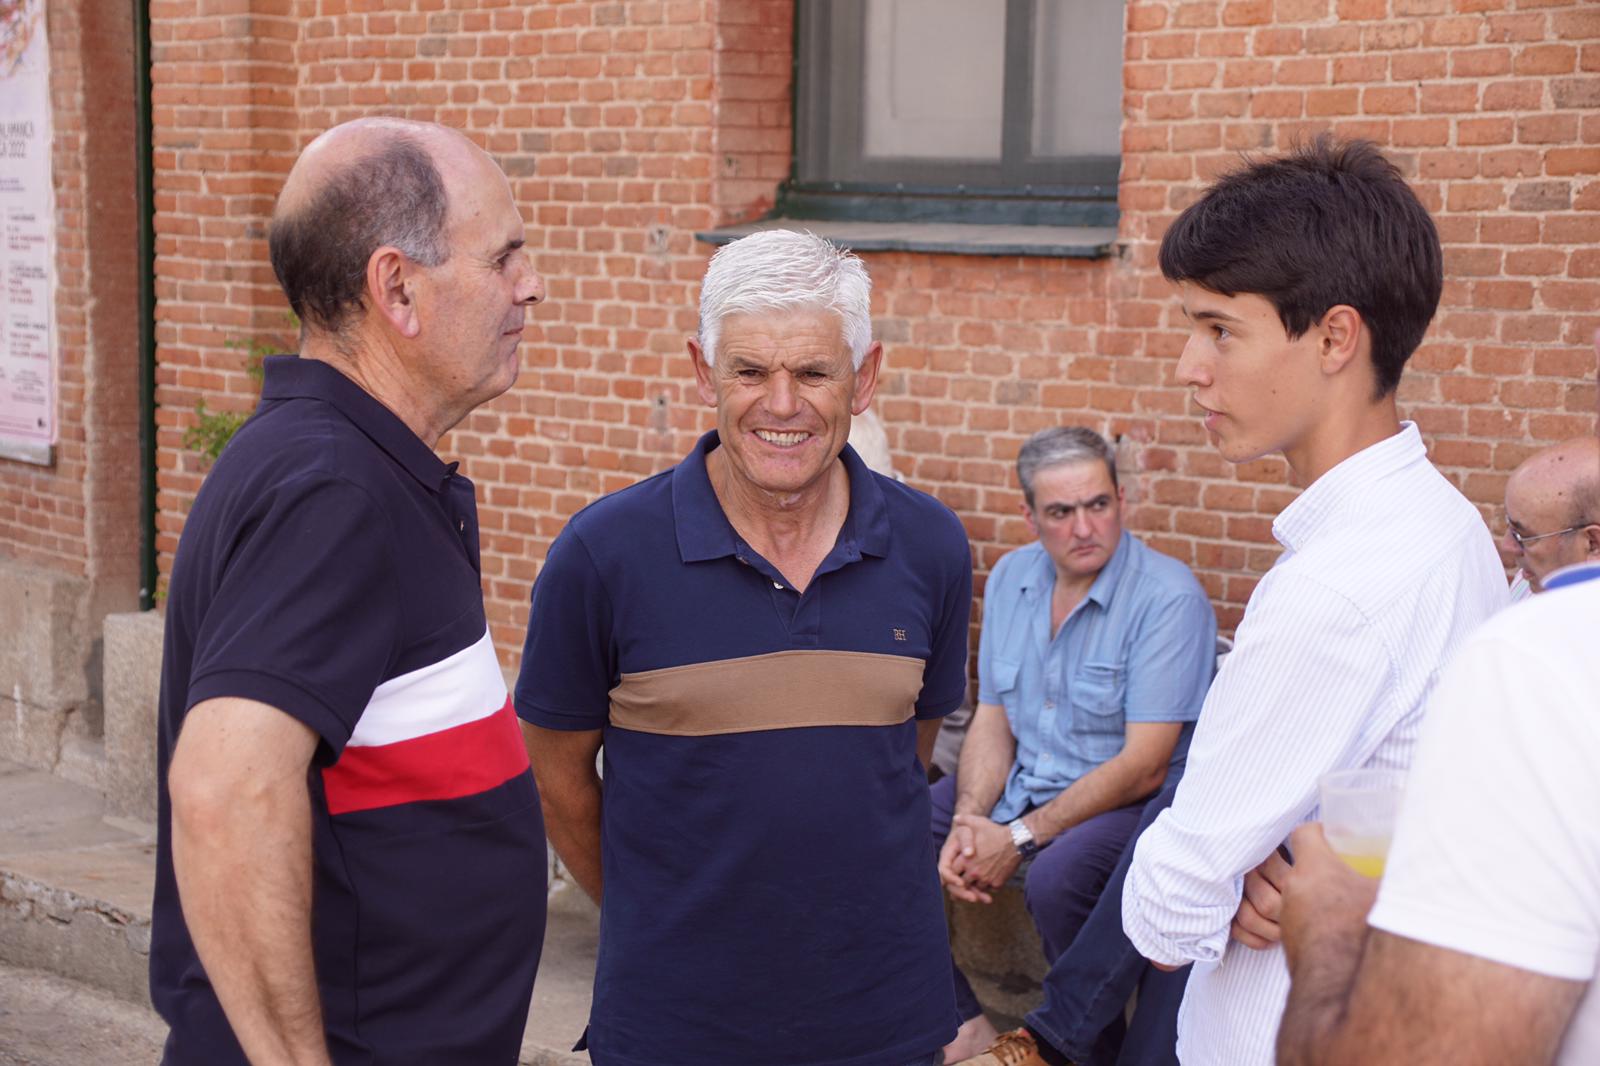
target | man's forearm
[
  {"x": 986, "y": 756},
  {"x": 927, "y": 737},
  {"x": 1115, "y": 783},
  {"x": 570, "y": 797},
  {"x": 243, "y": 865},
  {"x": 572, "y": 824},
  {"x": 1322, "y": 976}
]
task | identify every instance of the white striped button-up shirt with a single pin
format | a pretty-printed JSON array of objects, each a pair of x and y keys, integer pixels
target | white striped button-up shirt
[{"x": 1386, "y": 569}]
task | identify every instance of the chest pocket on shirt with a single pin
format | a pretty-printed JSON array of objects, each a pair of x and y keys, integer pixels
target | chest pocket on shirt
[{"x": 1097, "y": 694}]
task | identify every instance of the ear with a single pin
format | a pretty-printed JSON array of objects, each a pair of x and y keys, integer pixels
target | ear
[
  {"x": 867, "y": 379},
  {"x": 1028, "y": 517},
  {"x": 704, "y": 376},
  {"x": 1343, "y": 338},
  {"x": 1591, "y": 539},
  {"x": 390, "y": 284}
]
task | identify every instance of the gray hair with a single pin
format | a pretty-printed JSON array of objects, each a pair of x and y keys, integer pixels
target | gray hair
[
  {"x": 1057, "y": 446},
  {"x": 393, "y": 196},
  {"x": 786, "y": 270}
]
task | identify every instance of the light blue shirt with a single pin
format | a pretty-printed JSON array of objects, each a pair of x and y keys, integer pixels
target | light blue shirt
[{"x": 1141, "y": 647}]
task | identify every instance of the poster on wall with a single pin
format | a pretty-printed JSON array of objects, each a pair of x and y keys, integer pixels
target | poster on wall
[{"x": 27, "y": 245}]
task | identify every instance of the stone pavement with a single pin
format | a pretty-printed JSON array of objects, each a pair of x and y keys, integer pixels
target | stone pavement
[{"x": 75, "y": 888}]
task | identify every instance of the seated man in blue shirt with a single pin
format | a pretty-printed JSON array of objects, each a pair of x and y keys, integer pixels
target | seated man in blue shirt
[{"x": 1094, "y": 659}]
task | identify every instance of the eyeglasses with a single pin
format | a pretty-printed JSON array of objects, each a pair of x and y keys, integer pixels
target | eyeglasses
[{"x": 1523, "y": 540}]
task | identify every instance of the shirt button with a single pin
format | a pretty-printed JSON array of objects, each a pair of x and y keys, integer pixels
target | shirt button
[
  {"x": 1049, "y": 706},
  {"x": 777, "y": 585}
]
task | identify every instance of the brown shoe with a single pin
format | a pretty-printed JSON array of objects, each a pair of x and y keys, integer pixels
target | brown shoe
[{"x": 1016, "y": 1048}]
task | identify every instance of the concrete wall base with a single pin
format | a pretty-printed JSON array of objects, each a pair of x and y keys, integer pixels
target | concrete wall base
[
  {"x": 61, "y": 932},
  {"x": 48, "y": 657},
  {"x": 133, "y": 691}
]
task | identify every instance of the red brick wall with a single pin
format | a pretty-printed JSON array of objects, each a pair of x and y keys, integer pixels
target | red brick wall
[
  {"x": 626, "y": 127},
  {"x": 80, "y": 516},
  {"x": 42, "y": 508}
]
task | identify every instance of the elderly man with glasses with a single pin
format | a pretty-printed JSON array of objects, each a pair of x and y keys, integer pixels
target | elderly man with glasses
[{"x": 1553, "y": 511}]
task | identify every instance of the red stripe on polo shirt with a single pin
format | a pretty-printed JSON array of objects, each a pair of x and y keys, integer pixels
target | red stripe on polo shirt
[{"x": 460, "y": 761}]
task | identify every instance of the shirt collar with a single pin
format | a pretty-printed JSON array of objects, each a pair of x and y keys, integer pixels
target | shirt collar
[
  {"x": 1043, "y": 577},
  {"x": 1343, "y": 488},
  {"x": 704, "y": 531},
  {"x": 288, "y": 377}
]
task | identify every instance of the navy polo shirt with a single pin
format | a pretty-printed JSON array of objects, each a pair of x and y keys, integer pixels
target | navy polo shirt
[
  {"x": 329, "y": 568},
  {"x": 770, "y": 894}
]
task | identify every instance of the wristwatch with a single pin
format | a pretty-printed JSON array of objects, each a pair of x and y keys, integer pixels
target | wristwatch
[{"x": 1022, "y": 839}]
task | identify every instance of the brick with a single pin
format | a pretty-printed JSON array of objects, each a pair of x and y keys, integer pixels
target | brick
[
  {"x": 1547, "y": 129},
  {"x": 1583, "y": 92},
  {"x": 1541, "y": 60}
]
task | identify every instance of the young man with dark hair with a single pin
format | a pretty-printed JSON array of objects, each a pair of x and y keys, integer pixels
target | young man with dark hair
[{"x": 1307, "y": 281}]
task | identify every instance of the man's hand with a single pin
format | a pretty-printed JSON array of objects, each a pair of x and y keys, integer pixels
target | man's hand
[
  {"x": 987, "y": 858},
  {"x": 1256, "y": 924},
  {"x": 1323, "y": 899}
]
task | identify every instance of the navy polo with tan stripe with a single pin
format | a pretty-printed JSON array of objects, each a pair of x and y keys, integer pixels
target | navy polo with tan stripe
[{"x": 770, "y": 894}]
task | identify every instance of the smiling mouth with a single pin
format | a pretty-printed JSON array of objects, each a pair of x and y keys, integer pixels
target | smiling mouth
[{"x": 782, "y": 440}]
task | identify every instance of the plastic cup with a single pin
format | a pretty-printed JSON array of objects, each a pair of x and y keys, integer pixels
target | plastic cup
[{"x": 1359, "y": 808}]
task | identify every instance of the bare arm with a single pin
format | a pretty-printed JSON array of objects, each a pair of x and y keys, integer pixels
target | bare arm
[
  {"x": 1363, "y": 995},
  {"x": 986, "y": 756},
  {"x": 1135, "y": 772},
  {"x": 927, "y": 737},
  {"x": 569, "y": 795},
  {"x": 241, "y": 850}
]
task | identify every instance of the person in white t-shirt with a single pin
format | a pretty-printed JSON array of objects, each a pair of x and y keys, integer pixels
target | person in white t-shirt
[{"x": 1485, "y": 941}]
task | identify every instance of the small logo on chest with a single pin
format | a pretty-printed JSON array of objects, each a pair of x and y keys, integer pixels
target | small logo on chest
[{"x": 899, "y": 634}]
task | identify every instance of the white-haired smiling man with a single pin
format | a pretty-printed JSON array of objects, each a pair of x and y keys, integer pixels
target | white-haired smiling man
[{"x": 763, "y": 640}]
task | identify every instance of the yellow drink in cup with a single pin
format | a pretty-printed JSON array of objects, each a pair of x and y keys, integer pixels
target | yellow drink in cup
[
  {"x": 1364, "y": 855},
  {"x": 1358, "y": 814}
]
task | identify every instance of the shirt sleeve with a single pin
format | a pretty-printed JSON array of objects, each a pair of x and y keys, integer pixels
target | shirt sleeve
[
  {"x": 1497, "y": 853},
  {"x": 944, "y": 678},
  {"x": 1171, "y": 661},
  {"x": 305, "y": 613},
  {"x": 569, "y": 659},
  {"x": 1300, "y": 694}
]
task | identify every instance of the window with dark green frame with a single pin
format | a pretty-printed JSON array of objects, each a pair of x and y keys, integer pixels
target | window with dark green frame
[{"x": 977, "y": 111}]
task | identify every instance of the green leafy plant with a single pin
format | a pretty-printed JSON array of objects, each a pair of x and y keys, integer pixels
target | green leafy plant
[{"x": 212, "y": 430}]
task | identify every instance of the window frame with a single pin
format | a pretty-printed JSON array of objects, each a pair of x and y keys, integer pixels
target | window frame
[{"x": 831, "y": 178}]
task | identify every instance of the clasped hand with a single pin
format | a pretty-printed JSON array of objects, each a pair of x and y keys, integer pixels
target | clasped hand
[
  {"x": 977, "y": 858},
  {"x": 1282, "y": 902}
]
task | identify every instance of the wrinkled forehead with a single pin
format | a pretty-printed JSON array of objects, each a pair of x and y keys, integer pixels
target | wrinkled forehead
[
  {"x": 1074, "y": 481},
  {"x": 782, "y": 334}
]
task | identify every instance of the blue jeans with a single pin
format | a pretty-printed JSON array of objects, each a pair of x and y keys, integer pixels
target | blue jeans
[
  {"x": 1063, "y": 882},
  {"x": 1088, "y": 986}
]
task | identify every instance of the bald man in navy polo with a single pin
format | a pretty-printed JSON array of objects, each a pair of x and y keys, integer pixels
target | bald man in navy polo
[{"x": 351, "y": 862}]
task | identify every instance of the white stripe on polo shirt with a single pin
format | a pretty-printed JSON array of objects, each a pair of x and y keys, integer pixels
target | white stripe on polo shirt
[
  {"x": 1387, "y": 569},
  {"x": 457, "y": 689}
]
